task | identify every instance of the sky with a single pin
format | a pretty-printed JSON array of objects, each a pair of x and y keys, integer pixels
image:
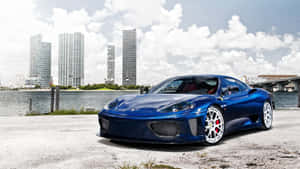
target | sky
[{"x": 174, "y": 37}]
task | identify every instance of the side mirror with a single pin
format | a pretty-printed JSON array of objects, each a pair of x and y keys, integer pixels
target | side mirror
[
  {"x": 223, "y": 92},
  {"x": 252, "y": 91},
  {"x": 233, "y": 89},
  {"x": 230, "y": 90}
]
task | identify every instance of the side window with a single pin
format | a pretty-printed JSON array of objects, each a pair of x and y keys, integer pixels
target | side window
[
  {"x": 231, "y": 87},
  {"x": 242, "y": 86}
]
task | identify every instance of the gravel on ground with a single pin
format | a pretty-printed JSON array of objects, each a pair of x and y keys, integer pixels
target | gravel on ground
[{"x": 64, "y": 142}]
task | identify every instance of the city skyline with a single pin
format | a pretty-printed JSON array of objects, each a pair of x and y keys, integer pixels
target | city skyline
[{"x": 71, "y": 59}]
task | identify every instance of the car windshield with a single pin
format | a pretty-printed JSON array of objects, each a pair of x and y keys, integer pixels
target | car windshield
[{"x": 194, "y": 85}]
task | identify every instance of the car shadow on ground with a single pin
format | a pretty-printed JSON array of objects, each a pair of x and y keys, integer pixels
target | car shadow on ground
[
  {"x": 237, "y": 134},
  {"x": 154, "y": 147},
  {"x": 176, "y": 147}
]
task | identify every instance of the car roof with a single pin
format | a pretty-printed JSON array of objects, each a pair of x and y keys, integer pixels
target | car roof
[{"x": 203, "y": 75}]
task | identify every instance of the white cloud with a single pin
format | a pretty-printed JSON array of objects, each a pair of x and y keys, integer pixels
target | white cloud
[
  {"x": 17, "y": 22},
  {"x": 137, "y": 12},
  {"x": 290, "y": 62},
  {"x": 196, "y": 50}
]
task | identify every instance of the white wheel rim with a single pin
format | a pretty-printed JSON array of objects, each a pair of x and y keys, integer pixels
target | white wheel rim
[
  {"x": 268, "y": 115},
  {"x": 214, "y": 125}
]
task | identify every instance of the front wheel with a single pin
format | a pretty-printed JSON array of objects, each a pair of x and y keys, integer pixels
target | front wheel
[
  {"x": 214, "y": 126},
  {"x": 267, "y": 116}
]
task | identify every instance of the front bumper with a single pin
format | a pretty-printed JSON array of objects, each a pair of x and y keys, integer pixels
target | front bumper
[{"x": 179, "y": 129}]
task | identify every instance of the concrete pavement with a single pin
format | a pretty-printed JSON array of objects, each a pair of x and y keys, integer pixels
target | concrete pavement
[{"x": 71, "y": 142}]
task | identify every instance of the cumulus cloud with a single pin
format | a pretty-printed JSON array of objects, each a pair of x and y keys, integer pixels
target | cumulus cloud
[
  {"x": 137, "y": 12},
  {"x": 17, "y": 21},
  {"x": 290, "y": 62},
  {"x": 164, "y": 48},
  {"x": 195, "y": 50}
]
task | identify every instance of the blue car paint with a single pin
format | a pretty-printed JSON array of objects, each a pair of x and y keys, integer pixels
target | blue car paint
[{"x": 130, "y": 119}]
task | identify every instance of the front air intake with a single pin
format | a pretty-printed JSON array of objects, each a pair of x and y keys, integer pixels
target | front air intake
[
  {"x": 104, "y": 123},
  {"x": 165, "y": 128},
  {"x": 194, "y": 126}
]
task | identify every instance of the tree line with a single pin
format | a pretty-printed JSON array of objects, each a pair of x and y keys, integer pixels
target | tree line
[{"x": 104, "y": 86}]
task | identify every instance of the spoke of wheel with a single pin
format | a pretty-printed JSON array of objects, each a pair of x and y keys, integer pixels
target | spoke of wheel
[{"x": 211, "y": 115}]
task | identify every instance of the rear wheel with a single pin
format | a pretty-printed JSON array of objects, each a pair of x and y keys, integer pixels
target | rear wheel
[
  {"x": 214, "y": 126},
  {"x": 267, "y": 116}
]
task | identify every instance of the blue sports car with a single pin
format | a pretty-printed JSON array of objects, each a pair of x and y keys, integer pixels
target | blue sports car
[{"x": 187, "y": 109}]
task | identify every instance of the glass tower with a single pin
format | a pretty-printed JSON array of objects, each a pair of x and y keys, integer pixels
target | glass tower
[{"x": 129, "y": 57}]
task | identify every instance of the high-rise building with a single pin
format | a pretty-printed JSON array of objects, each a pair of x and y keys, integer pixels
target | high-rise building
[
  {"x": 129, "y": 57},
  {"x": 71, "y": 59},
  {"x": 110, "y": 64},
  {"x": 40, "y": 61}
]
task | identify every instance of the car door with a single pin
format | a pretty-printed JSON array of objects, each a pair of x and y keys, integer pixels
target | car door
[
  {"x": 250, "y": 100},
  {"x": 235, "y": 99}
]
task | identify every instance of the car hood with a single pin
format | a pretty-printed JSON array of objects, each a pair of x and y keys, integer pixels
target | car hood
[{"x": 148, "y": 104}]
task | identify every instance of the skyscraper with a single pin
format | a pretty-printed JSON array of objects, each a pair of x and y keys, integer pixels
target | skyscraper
[
  {"x": 110, "y": 64},
  {"x": 71, "y": 59},
  {"x": 129, "y": 57},
  {"x": 40, "y": 61}
]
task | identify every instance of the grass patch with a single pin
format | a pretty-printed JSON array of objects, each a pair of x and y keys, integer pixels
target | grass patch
[
  {"x": 64, "y": 112},
  {"x": 148, "y": 165},
  {"x": 72, "y": 89},
  {"x": 128, "y": 166},
  {"x": 163, "y": 166},
  {"x": 105, "y": 89}
]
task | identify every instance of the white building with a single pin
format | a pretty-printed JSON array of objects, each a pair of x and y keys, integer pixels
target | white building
[
  {"x": 71, "y": 59},
  {"x": 110, "y": 64},
  {"x": 129, "y": 57},
  {"x": 40, "y": 61}
]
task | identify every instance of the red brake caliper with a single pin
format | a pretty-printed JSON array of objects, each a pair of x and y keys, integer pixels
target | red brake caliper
[{"x": 217, "y": 122}]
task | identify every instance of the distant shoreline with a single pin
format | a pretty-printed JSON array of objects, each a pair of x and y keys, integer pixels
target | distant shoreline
[{"x": 67, "y": 90}]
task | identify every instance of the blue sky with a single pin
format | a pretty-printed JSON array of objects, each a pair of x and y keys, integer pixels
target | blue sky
[{"x": 259, "y": 15}]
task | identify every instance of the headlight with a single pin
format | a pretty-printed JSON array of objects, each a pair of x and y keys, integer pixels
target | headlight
[
  {"x": 177, "y": 107},
  {"x": 110, "y": 105}
]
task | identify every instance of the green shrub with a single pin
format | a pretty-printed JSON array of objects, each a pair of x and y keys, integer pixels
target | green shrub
[{"x": 65, "y": 112}]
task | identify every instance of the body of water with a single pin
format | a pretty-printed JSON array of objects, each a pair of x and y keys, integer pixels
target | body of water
[
  {"x": 286, "y": 99},
  {"x": 17, "y": 102}
]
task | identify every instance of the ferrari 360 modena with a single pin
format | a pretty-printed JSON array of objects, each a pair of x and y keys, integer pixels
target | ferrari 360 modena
[{"x": 187, "y": 109}]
